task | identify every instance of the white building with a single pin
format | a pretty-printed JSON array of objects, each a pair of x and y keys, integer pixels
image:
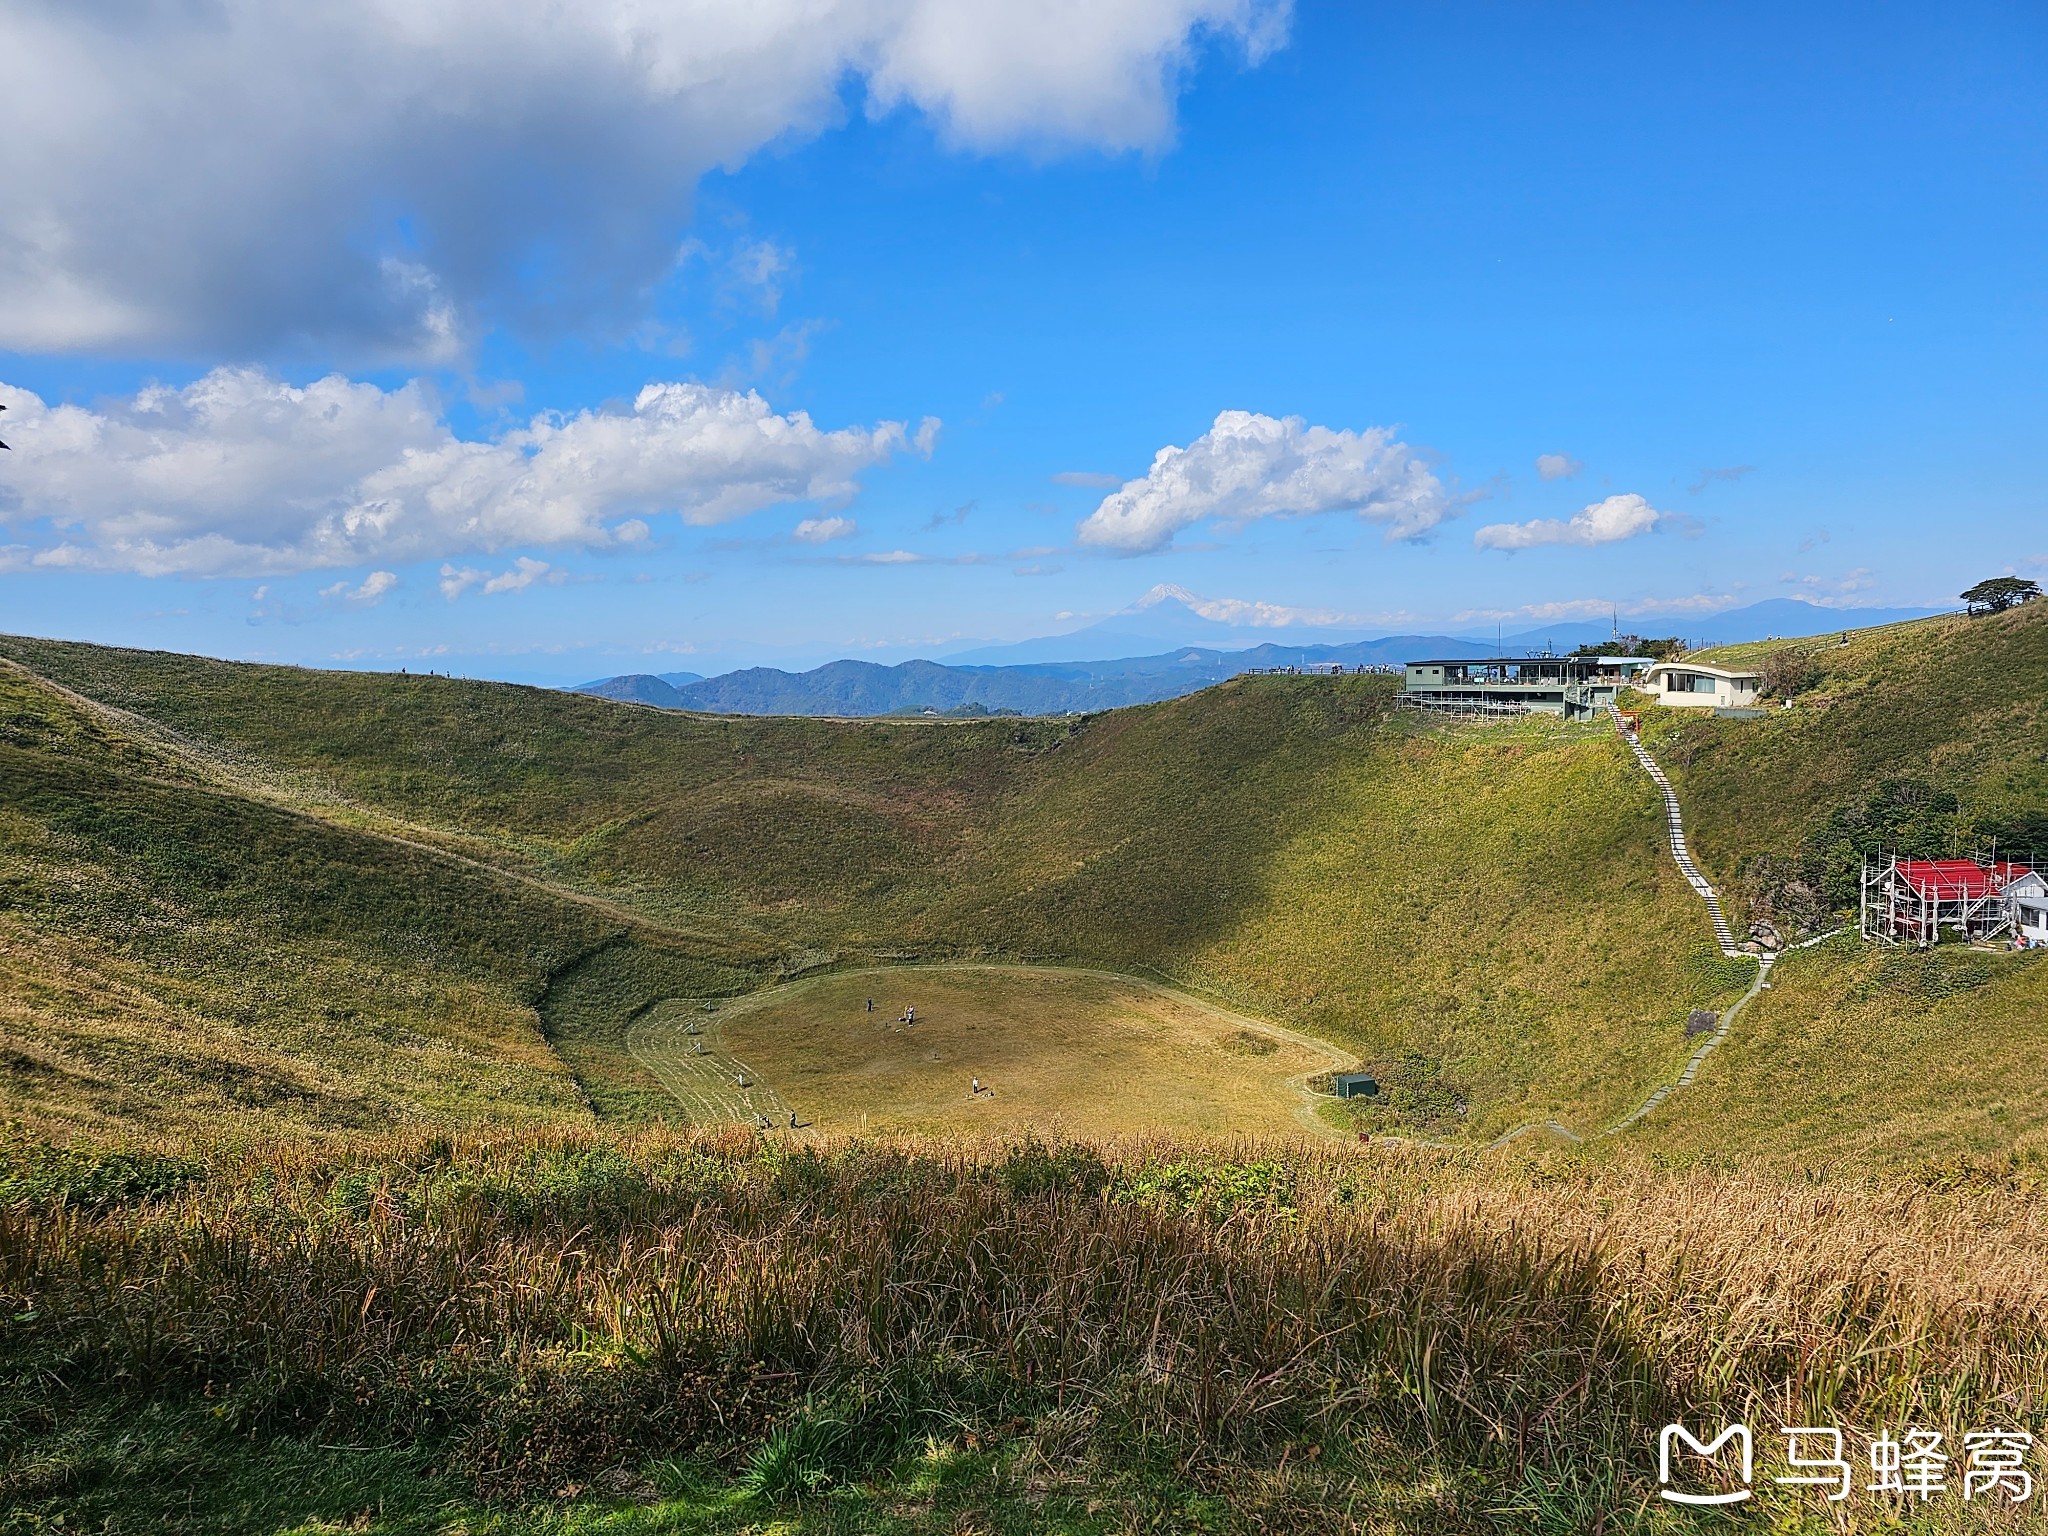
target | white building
[
  {"x": 1696, "y": 685},
  {"x": 2026, "y": 897}
]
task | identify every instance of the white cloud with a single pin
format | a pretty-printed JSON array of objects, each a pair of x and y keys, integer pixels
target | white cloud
[
  {"x": 456, "y": 580},
  {"x": 1557, "y": 466},
  {"x": 1246, "y": 613},
  {"x": 1250, "y": 466},
  {"x": 367, "y": 595},
  {"x": 1086, "y": 478},
  {"x": 1833, "y": 591},
  {"x": 523, "y": 573},
  {"x": 230, "y": 175},
  {"x": 1604, "y": 522},
  {"x": 760, "y": 265},
  {"x": 240, "y": 473},
  {"x": 823, "y": 530},
  {"x": 1601, "y": 607}
]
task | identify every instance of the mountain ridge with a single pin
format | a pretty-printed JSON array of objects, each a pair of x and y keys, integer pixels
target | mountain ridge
[
  {"x": 1167, "y": 617},
  {"x": 1073, "y": 686}
]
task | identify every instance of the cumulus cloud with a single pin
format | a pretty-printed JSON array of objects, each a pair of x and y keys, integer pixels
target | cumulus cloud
[
  {"x": 1557, "y": 466},
  {"x": 241, "y": 473},
  {"x": 233, "y": 175},
  {"x": 1604, "y": 522},
  {"x": 1250, "y": 466},
  {"x": 823, "y": 530},
  {"x": 367, "y": 595}
]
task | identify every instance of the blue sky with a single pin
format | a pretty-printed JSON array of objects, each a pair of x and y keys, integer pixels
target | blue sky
[{"x": 1766, "y": 289}]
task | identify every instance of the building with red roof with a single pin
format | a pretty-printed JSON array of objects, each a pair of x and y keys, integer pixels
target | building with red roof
[{"x": 1911, "y": 901}]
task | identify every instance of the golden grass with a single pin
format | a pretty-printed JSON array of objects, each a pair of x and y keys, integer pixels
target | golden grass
[
  {"x": 536, "y": 1308},
  {"x": 92, "y": 1042},
  {"x": 1060, "y": 1052}
]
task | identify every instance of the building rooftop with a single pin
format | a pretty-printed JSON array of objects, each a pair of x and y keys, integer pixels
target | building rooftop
[
  {"x": 1704, "y": 666},
  {"x": 1523, "y": 661},
  {"x": 1958, "y": 879}
]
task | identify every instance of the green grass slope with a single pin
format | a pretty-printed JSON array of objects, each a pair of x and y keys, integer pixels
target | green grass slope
[
  {"x": 1929, "y": 739},
  {"x": 178, "y": 954},
  {"x": 1957, "y": 706},
  {"x": 1859, "y": 1056},
  {"x": 1489, "y": 900},
  {"x": 1486, "y": 911},
  {"x": 1485, "y": 914}
]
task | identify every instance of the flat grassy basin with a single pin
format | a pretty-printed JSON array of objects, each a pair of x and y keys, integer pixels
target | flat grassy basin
[{"x": 1084, "y": 1053}]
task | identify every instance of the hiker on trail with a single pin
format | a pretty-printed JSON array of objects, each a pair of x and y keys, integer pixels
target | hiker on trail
[{"x": 792, "y": 1120}]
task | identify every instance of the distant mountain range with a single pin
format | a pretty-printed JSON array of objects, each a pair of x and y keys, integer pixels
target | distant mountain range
[
  {"x": 1167, "y": 617},
  {"x": 1040, "y": 688},
  {"x": 1018, "y": 679}
]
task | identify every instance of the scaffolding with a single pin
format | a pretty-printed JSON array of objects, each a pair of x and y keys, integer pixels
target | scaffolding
[
  {"x": 1460, "y": 709},
  {"x": 1911, "y": 901}
]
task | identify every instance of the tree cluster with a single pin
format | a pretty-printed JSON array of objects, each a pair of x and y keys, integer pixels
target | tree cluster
[
  {"x": 1904, "y": 816},
  {"x": 2001, "y": 593},
  {"x": 1668, "y": 649}
]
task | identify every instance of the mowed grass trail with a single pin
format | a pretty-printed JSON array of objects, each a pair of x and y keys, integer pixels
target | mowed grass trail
[{"x": 1058, "y": 1051}]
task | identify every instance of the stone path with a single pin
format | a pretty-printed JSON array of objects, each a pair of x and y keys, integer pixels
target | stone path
[
  {"x": 1674, "y": 826},
  {"x": 1674, "y": 823}
]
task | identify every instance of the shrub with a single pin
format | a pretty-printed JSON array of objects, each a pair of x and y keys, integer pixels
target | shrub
[
  {"x": 1032, "y": 1168},
  {"x": 1788, "y": 672},
  {"x": 33, "y": 1172}
]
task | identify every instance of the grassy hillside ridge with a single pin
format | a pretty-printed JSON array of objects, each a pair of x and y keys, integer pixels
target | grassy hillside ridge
[
  {"x": 179, "y": 952},
  {"x": 1278, "y": 842},
  {"x": 1487, "y": 912},
  {"x": 1860, "y": 1055},
  {"x": 1956, "y": 704},
  {"x": 1493, "y": 898},
  {"x": 1928, "y": 738}
]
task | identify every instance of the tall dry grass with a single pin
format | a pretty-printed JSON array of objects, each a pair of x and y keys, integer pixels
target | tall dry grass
[{"x": 532, "y": 1308}]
